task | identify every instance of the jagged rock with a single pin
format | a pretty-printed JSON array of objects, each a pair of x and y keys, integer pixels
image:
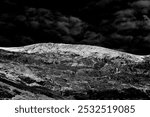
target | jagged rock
[{"x": 65, "y": 71}]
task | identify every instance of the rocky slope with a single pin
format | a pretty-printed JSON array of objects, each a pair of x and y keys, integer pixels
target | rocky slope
[{"x": 65, "y": 71}]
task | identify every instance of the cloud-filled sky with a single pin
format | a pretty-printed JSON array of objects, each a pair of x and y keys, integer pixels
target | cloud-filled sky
[{"x": 116, "y": 24}]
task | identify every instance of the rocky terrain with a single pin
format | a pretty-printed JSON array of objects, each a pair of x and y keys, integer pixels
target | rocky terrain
[
  {"x": 52, "y": 49},
  {"x": 64, "y": 71}
]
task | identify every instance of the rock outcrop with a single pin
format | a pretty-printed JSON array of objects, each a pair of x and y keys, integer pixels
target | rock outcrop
[{"x": 65, "y": 71}]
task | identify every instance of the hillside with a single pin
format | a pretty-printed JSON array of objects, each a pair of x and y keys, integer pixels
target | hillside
[{"x": 65, "y": 71}]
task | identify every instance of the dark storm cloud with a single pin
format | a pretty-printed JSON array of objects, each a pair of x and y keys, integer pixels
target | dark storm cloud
[
  {"x": 142, "y": 5},
  {"x": 117, "y": 24}
]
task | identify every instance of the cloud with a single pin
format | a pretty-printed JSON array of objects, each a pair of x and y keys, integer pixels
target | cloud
[{"x": 142, "y": 3}]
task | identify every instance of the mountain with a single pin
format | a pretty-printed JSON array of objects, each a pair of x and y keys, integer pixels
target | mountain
[{"x": 68, "y": 71}]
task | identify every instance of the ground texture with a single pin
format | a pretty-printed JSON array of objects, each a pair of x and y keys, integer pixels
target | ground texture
[{"x": 65, "y": 71}]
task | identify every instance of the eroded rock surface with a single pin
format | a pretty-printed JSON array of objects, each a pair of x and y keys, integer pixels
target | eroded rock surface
[{"x": 65, "y": 71}]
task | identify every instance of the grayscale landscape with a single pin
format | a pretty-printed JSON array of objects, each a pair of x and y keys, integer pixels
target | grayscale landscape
[
  {"x": 75, "y": 50},
  {"x": 65, "y": 71}
]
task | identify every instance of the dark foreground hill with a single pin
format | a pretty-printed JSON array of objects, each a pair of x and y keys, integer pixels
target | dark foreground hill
[{"x": 65, "y": 71}]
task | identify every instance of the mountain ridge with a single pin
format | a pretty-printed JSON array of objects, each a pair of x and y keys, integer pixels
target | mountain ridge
[
  {"x": 65, "y": 71},
  {"x": 84, "y": 50}
]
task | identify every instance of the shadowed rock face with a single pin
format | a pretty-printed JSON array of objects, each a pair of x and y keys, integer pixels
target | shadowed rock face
[{"x": 65, "y": 71}]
